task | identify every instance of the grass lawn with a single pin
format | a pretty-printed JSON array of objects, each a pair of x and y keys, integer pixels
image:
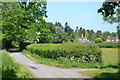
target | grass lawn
[
  {"x": 11, "y": 68},
  {"x": 110, "y": 59},
  {"x": 110, "y": 56},
  {"x": 110, "y": 50},
  {"x": 106, "y": 73}
]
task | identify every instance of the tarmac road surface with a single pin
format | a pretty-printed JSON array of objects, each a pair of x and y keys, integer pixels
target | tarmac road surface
[{"x": 44, "y": 71}]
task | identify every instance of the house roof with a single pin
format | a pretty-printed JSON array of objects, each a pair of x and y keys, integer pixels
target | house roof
[
  {"x": 82, "y": 39},
  {"x": 113, "y": 38}
]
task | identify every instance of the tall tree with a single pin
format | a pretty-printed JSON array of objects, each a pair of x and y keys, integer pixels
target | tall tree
[
  {"x": 83, "y": 32},
  {"x": 113, "y": 34},
  {"x": 111, "y": 13},
  {"x": 105, "y": 35},
  {"x": 98, "y": 34},
  {"x": 24, "y": 18},
  {"x": 80, "y": 32},
  {"x": 11, "y": 24},
  {"x": 67, "y": 28},
  {"x": 76, "y": 30}
]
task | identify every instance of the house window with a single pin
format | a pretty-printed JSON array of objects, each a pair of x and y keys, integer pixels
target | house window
[{"x": 113, "y": 40}]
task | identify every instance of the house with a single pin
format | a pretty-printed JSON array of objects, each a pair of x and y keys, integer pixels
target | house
[
  {"x": 112, "y": 39},
  {"x": 83, "y": 39}
]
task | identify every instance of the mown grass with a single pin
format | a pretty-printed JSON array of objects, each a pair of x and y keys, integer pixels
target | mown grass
[
  {"x": 110, "y": 50},
  {"x": 110, "y": 60},
  {"x": 11, "y": 68},
  {"x": 61, "y": 62},
  {"x": 110, "y": 57},
  {"x": 106, "y": 73}
]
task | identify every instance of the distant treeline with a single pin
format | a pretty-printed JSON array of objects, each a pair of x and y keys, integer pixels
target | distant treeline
[{"x": 66, "y": 33}]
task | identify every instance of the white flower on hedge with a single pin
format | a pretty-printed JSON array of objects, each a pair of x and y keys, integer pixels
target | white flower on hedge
[
  {"x": 37, "y": 40},
  {"x": 72, "y": 58},
  {"x": 38, "y": 33}
]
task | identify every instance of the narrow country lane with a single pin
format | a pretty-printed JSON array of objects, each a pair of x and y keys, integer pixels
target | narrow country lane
[{"x": 44, "y": 71}]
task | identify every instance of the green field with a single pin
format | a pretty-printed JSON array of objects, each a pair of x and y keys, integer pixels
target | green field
[
  {"x": 12, "y": 69},
  {"x": 110, "y": 56},
  {"x": 106, "y": 73},
  {"x": 110, "y": 50},
  {"x": 110, "y": 59}
]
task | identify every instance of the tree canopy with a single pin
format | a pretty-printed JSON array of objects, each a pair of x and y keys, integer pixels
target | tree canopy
[
  {"x": 21, "y": 21},
  {"x": 111, "y": 13}
]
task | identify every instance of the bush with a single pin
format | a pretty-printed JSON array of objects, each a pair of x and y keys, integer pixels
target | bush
[
  {"x": 108, "y": 45},
  {"x": 73, "y": 51},
  {"x": 98, "y": 40}
]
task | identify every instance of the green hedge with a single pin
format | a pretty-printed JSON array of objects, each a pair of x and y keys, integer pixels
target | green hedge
[
  {"x": 108, "y": 45},
  {"x": 73, "y": 51}
]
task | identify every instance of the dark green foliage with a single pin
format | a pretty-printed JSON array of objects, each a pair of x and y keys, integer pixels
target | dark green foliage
[
  {"x": 62, "y": 34},
  {"x": 6, "y": 43},
  {"x": 21, "y": 21},
  {"x": 105, "y": 35},
  {"x": 98, "y": 33},
  {"x": 73, "y": 51},
  {"x": 110, "y": 12}
]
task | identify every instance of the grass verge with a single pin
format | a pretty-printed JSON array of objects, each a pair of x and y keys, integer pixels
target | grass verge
[
  {"x": 12, "y": 69},
  {"x": 106, "y": 73},
  {"x": 61, "y": 62}
]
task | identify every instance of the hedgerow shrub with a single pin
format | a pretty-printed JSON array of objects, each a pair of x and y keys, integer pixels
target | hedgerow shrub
[
  {"x": 98, "y": 40},
  {"x": 109, "y": 45},
  {"x": 106, "y": 45},
  {"x": 72, "y": 51}
]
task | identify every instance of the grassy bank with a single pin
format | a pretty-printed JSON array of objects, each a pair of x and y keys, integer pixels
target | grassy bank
[{"x": 12, "y": 69}]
